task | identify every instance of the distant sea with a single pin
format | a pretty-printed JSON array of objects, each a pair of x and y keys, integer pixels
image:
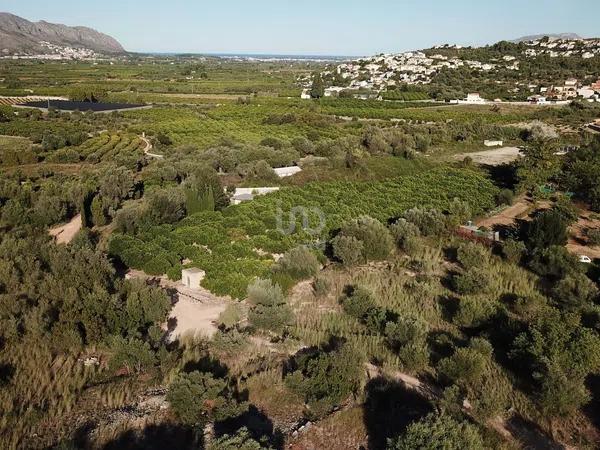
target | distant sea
[{"x": 265, "y": 56}]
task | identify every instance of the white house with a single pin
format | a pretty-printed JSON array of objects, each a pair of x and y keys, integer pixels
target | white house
[
  {"x": 473, "y": 99},
  {"x": 283, "y": 172},
  {"x": 192, "y": 277},
  {"x": 586, "y": 92},
  {"x": 537, "y": 99}
]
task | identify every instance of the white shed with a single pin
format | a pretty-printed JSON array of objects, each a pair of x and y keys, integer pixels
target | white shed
[
  {"x": 192, "y": 277},
  {"x": 283, "y": 172},
  {"x": 493, "y": 143},
  {"x": 246, "y": 194}
]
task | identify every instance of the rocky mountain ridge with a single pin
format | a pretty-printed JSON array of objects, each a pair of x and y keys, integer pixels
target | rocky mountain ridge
[{"x": 19, "y": 36}]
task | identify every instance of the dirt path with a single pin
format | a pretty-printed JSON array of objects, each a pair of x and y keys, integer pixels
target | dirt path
[
  {"x": 149, "y": 147},
  {"x": 493, "y": 157},
  {"x": 64, "y": 234}
]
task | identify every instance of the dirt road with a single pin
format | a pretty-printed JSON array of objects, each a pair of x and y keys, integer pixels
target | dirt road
[
  {"x": 495, "y": 157},
  {"x": 64, "y": 234},
  {"x": 149, "y": 147}
]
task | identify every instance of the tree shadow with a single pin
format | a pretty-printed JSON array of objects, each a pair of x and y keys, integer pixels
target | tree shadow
[
  {"x": 389, "y": 408},
  {"x": 503, "y": 175},
  {"x": 592, "y": 409},
  {"x": 158, "y": 437},
  {"x": 449, "y": 306},
  {"x": 259, "y": 425},
  {"x": 6, "y": 373},
  {"x": 152, "y": 437},
  {"x": 442, "y": 345},
  {"x": 207, "y": 364},
  {"x": 530, "y": 435}
]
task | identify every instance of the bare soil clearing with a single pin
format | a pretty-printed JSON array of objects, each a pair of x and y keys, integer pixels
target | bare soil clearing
[
  {"x": 64, "y": 234},
  {"x": 191, "y": 316},
  {"x": 518, "y": 210},
  {"x": 577, "y": 237},
  {"x": 495, "y": 157},
  {"x": 195, "y": 312},
  {"x": 522, "y": 209}
]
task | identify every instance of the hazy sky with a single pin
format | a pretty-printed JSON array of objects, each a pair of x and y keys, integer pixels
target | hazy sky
[{"x": 326, "y": 27}]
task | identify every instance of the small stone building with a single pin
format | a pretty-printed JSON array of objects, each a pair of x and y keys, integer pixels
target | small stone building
[{"x": 192, "y": 277}]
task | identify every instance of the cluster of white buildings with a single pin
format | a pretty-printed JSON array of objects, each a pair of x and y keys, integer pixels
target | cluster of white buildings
[
  {"x": 379, "y": 72},
  {"x": 570, "y": 90},
  {"x": 58, "y": 53},
  {"x": 583, "y": 48},
  {"x": 390, "y": 69},
  {"x": 376, "y": 74}
]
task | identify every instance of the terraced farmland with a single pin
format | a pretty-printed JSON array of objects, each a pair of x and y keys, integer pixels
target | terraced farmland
[{"x": 122, "y": 148}]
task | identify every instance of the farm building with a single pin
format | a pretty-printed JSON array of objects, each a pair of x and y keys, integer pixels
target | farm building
[
  {"x": 247, "y": 194},
  {"x": 192, "y": 277},
  {"x": 283, "y": 172},
  {"x": 493, "y": 143}
]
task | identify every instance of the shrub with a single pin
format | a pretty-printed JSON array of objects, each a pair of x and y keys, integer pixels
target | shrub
[
  {"x": 406, "y": 235},
  {"x": 554, "y": 262},
  {"x": 513, "y": 251},
  {"x": 348, "y": 249},
  {"x": 321, "y": 286},
  {"x": 358, "y": 302},
  {"x": 164, "y": 139},
  {"x": 198, "y": 397},
  {"x": 474, "y": 312},
  {"x": 438, "y": 432},
  {"x": 467, "y": 365},
  {"x": 593, "y": 235},
  {"x": 375, "y": 237},
  {"x": 230, "y": 342},
  {"x": 132, "y": 354},
  {"x": 241, "y": 440},
  {"x": 505, "y": 197},
  {"x": 574, "y": 291},
  {"x": 325, "y": 379},
  {"x": 300, "y": 263},
  {"x": 547, "y": 229},
  {"x": 230, "y": 317},
  {"x": 430, "y": 222},
  {"x": 405, "y": 330},
  {"x": 270, "y": 310},
  {"x": 472, "y": 255},
  {"x": 473, "y": 281}
]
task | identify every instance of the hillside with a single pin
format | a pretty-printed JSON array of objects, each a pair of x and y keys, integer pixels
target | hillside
[
  {"x": 20, "y": 36},
  {"x": 535, "y": 37},
  {"x": 450, "y": 72}
]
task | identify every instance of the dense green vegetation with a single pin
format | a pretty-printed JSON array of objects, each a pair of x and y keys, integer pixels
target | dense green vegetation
[
  {"x": 356, "y": 307},
  {"x": 206, "y": 238}
]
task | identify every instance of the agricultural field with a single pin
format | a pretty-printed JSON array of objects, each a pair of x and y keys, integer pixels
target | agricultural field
[
  {"x": 357, "y": 305},
  {"x": 122, "y": 149},
  {"x": 15, "y": 151},
  {"x": 209, "y": 240}
]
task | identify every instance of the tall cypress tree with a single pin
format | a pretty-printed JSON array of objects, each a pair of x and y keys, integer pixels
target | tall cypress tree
[{"x": 318, "y": 86}]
